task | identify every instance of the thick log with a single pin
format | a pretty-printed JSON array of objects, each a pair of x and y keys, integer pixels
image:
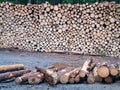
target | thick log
[
  {"x": 103, "y": 71},
  {"x": 10, "y": 75},
  {"x": 15, "y": 67}
]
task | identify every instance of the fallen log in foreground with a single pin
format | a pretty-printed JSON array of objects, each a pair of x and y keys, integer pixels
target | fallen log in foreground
[
  {"x": 15, "y": 67},
  {"x": 31, "y": 77},
  {"x": 10, "y": 75}
]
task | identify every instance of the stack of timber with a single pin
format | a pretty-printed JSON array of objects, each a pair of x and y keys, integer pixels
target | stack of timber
[{"x": 82, "y": 29}]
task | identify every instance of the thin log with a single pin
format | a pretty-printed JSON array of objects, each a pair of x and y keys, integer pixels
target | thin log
[
  {"x": 10, "y": 75},
  {"x": 15, "y": 67}
]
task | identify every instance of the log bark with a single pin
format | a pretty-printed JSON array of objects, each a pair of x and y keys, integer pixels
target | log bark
[
  {"x": 84, "y": 71},
  {"x": 96, "y": 76},
  {"x": 15, "y": 67},
  {"x": 24, "y": 78},
  {"x": 36, "y": 78},
  {"x": 65, "y": 78},
  {"x": 10, "y": 75},
  {"x": 77, "y": 79},
  {"x": 108, "y": 80},
  {"x": 51, "y": 76},
  {"x": 90, "y": 78},
  {"x": 58, "y": 66}
]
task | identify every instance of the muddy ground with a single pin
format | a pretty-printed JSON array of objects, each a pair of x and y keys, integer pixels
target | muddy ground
[{"x": 32, "y": 59}]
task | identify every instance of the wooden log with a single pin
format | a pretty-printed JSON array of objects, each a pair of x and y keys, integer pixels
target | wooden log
[
  {"x": 113, "y": 70},
  {"x": 84, "y": 71},
  {"x": 65, "y": 78},
  {"x": 15, "y": 67},
  {"x": 51, "y": 76},
  {"x": 108, "y": 80},
  {"x": 90, "y": 78},
  {"x": 24, "y": 78},
  {"x": 10, "y": 75},
  {"x": 96, "y": 76},
  {"x": 103, "y": 71},
  {"x": 71, "y": 80},
  {"x": 58, "y": 66},
  {"x": 77, "y": 79},
  {"x": 36, "y": 78}
]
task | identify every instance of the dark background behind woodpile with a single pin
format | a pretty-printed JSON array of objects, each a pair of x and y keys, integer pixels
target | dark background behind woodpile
[{"x": 57, "y": 1}]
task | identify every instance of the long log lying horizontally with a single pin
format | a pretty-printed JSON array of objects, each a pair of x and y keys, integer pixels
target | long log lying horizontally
[
  {"x": 11, "y": 75},
  {"x": 15, "y": 67}
]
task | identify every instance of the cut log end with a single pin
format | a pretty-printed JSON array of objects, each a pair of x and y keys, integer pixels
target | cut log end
[
  {"x": 64, "y": 79},
  {"x": 103, "y": 71}
]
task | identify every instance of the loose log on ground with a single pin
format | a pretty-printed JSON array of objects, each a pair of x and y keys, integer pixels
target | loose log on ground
[
  {"x": 24, "y": 78},
  {"x": 51, "y": 76},
  {"x": 36, "y": 78},
  {"x": 65, "y": 78},
  {"x": 15, "y": 67},
  {"x": 10, "y": 75},
  {"x": 103, "y": 71}
]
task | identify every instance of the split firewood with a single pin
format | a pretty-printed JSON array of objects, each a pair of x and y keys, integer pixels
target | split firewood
[
  {"x": 51, "y": 76},
  {"x": 103, "y": 71},
  {"x": 65, "y": 77},
  {"x": 36, "y": 78},
  {"x": 10, "y": 75},
  {"x": 7, "y": 68}
]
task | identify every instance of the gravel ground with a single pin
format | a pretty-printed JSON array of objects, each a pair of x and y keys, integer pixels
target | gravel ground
[{"x": 32, "y": 59}]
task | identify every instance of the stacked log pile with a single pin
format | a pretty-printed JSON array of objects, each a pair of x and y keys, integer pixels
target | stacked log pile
[
  {"x": 84, "y": 29},
  {"x": 90, "y": 72}
]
